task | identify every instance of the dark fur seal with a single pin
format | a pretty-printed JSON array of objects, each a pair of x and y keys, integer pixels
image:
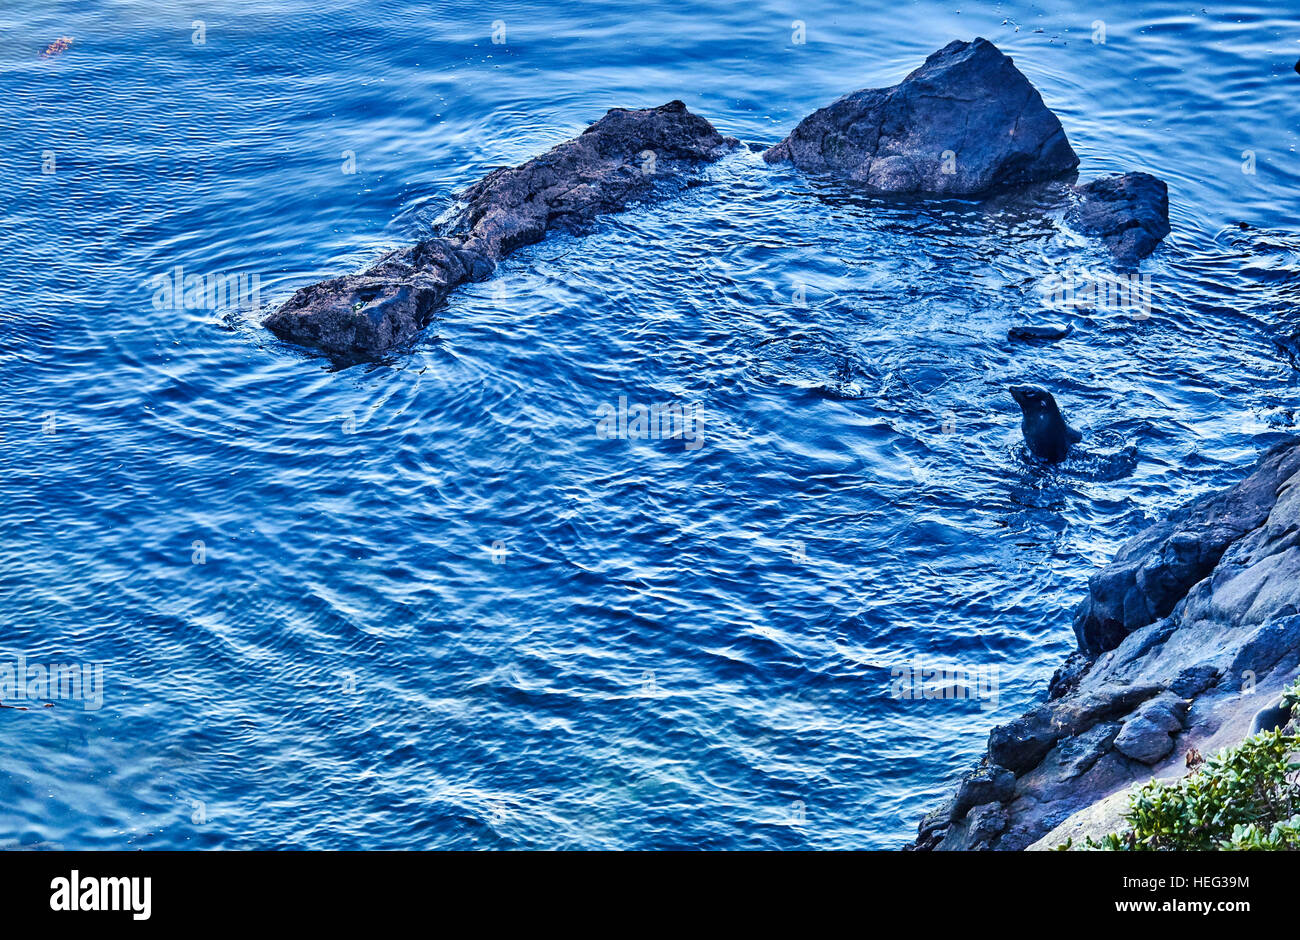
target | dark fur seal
[
  {"x": 1046, "y": 433},
  {"x": 1270, "y": 719}
]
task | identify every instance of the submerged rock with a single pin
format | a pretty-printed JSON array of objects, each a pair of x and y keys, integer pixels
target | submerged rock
[
  {"x": 1129, "y": 212},
  {"x": 613, "y": 163},
  {"x": 1039, "y": 333},
  {"x": 967, "y": 121},
  {"x": 1183, "y": 637}
]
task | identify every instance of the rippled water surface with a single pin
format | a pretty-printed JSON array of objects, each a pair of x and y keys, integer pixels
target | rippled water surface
[{"x": 423, "y": 604}]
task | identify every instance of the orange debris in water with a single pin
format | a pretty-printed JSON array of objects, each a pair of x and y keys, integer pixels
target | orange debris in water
[{"x": 57, "y": 46}]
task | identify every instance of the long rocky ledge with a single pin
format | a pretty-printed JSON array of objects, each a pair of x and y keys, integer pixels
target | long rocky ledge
[
  {"x": 613, "y": 163},
  {"x": 1183, "y": 638}
]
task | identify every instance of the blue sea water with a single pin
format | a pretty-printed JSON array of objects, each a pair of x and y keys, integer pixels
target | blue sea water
[{"x": 422, "y": 604}]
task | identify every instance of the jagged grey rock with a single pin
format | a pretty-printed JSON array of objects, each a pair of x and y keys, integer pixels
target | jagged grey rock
[
  {"x": 613, "y": 163},
  {"x": 984, "y": 785},
  {"x": 1078, "y": 754},
  {"x": 1157, "y": 568},
  {"x": 1146, "y": 736},
  {"x": 979, "y": 826},
  {"x": 1129, "y": 212},
  {"x": 966, "y": 122},
  {"x": 1184, "y": 636}
]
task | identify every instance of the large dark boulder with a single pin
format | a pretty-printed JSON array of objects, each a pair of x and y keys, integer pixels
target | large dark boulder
[
  {"x": 1129, "y": 212},
  {"x": 614, "y": 162},
  {"x": 965, "y": 122}
]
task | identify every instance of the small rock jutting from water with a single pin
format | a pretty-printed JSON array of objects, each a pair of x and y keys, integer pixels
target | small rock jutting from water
[
  {"x": 1039, "y": 333},
  {"x": 1129, "y": 212}
]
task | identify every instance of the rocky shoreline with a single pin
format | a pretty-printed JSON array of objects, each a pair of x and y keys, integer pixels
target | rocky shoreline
[{"x": 1190, "y": 632}]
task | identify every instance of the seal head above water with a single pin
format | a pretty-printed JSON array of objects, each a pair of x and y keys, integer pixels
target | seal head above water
[{"x": 1047, "y": 435}]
